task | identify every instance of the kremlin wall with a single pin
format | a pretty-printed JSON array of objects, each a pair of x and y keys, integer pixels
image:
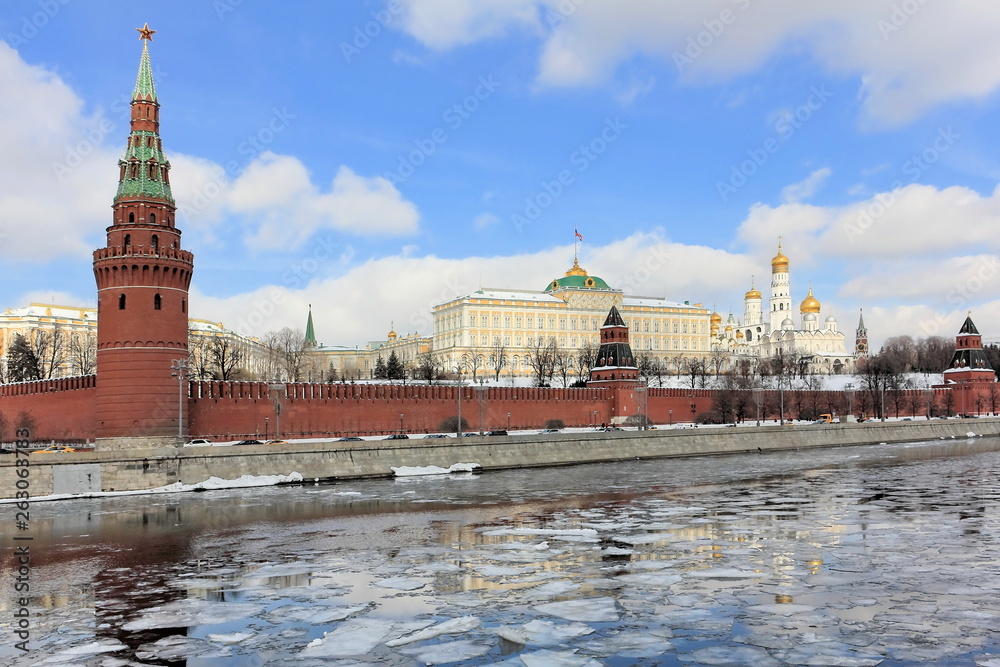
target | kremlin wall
[{"x": 136, "y": 401}]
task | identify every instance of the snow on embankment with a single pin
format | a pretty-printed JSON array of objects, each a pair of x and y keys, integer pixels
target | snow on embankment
[
  {"x": 212, "y": 483},
  {"x": 412, "y": 471}
]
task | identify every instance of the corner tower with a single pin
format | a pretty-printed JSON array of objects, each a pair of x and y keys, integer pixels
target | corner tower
[{"x": 143, "y": 278}]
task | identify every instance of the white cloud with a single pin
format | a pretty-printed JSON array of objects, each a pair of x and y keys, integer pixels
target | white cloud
[
  {"x": 805, "y": 188},
  {"x": 57, "y": 173},
  {"x": 484, "y": 221},
  {"x": 907, "y": 60}
]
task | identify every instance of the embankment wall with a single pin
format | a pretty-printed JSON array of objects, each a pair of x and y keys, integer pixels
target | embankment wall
[{"x": 149, "y": 468}]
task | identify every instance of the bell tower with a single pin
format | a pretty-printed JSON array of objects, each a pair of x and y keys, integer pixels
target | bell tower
[{"x": 143, "y": 278}]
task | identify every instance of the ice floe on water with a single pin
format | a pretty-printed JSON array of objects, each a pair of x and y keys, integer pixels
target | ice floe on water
[
  {"x": 184, "y": 613},
  {"x": 855, "y": 565},
  {"x": 587, "y": 610}
]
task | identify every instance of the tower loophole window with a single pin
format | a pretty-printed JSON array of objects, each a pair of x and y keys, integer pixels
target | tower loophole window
[
  {"x": 121, "y": 302},
  {"x": 131, "y": 217},
  {"x": 128, "y": 240},
  {"x": 155, "y": 241},
  {"x": 152, "y": 218},
  {"x": 157, "y": 302}
]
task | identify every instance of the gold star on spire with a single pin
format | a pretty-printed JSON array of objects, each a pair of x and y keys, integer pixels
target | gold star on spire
[{"x": 145, "y": 32}]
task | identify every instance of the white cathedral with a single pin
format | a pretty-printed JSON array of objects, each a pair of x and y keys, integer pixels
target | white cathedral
[{"x": 814, "y": 348}]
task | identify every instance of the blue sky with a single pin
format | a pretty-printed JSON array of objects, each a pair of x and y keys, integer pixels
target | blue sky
[{"x": 375, "y": 158}]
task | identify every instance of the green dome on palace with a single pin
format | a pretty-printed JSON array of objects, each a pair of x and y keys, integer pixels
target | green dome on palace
[{"x": 577, "y": 278}]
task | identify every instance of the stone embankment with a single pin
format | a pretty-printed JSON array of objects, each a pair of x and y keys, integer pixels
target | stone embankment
[{"x": 140, "y": 469}]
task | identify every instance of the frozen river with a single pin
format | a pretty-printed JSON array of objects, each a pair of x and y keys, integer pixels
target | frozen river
[{"x": 885, "y": 555}]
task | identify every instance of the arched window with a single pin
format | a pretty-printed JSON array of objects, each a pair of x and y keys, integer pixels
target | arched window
[
  {"x": 152, "y": 218},
  {"x": 128, "y": 240},
  {"x": 184, "y": 305},
  {"x": 121, "y": 302},
  {"x": 131, "y": 217},
  {"x": 155, "y": 242},
  {"x": 157, "y": 302}
]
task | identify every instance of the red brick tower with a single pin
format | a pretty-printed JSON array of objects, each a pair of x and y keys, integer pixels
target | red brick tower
[
  {"x": 615, "y": 368},
  {"x": 142, "y": 289}
]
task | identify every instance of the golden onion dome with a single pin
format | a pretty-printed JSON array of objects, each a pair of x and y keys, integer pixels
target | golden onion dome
[
  {"x": 809, "y": 304},
  {"x": 715, "y": 318},
  {"x": 739, "y": 334},
  {"x": 780, "y": 263},
  {"x": 392, "y": 331},
  {"x": 754, "y": 293}
]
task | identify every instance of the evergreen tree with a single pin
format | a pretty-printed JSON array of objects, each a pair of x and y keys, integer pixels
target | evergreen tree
[
  {"x": 394, "y": 369},
  {"x": 380, "y": 369},
  {"x": 23, "y": 362}
]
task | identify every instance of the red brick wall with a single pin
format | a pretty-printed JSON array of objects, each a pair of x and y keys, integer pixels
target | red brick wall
[
  {"x": 62, "y": 410},
  {"x": 223, "y": 410}
]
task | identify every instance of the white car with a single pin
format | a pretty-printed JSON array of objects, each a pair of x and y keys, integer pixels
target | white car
[{"x": 198, "y": 442}]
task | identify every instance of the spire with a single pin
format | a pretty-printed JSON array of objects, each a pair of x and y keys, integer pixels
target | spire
[
  {"x": 310, "y": 331},
  {"x": 143, "y": 169},
  {"x": 861, "y": 322},
  {"x": 144, "y": 89},
  {"x": 968, "y": 327}
]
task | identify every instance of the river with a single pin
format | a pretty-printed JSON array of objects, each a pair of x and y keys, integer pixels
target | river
[{"x": 878, "y": 555}]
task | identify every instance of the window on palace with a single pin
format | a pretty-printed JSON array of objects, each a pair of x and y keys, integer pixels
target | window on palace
[
  {"x": 562, "y": 341},
  {"x": 646, "y": 326},
  {"x": 675, "y": 329},
  {"x": 518, "y": 343},
  {"x": 656, "y": 344},
  {"x": 685, "y": 344},
  {"x": 684, "y": 328},
  {"x": 552, "y": 323},
  {"x": 562, "y": 324},
  {"x": 506, "y": 322},
  {"x": 583, "y": 324},
  {"x": 531, "y": 322},
  {"x": 486, "y": 321},
  {"x": 485, "y": 340},
  {"x": 506, "y": 340},
  {"x": 656, "y": 327},
  {"x": 541, "y": 322},
  {"x": 496, "y": 340},
  {"x": 496, "y": 321},
  {"x": 518, "y": 322}
]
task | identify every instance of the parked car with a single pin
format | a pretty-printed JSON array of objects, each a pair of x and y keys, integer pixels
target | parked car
[
  {"x": 397, "y": 436},
  {"x": 275, "y": 442},
  {"x": 54, "y": 450},
  {"x": 437, "y": 435},
  {"x": 497, "y": 432},
  {"x": 548, "y": 430},
  {"x": 198, "y": 442},
  {"x": 611, "y": 428},
  {"x": 347, "y": 438},
  {"x": 249, "y": 442}
]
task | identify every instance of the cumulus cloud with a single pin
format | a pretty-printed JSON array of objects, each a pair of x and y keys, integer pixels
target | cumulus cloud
[
  {"x": 908, "y": 57},
  {"x": 51, "y": 147}
]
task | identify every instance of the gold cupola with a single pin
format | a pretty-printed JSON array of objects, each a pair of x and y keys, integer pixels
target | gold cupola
[
  {"x": 754, "y": 293},
  {"x": 809, "y": 304},
  {"x": 780, "y": 263}
]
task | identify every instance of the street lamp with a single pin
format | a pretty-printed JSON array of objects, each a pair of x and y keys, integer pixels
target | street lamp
[
  {"x": 883, "y": 402},
  {"x": 180, "y": 366},
  {"x": 671, "y": 415},
  {"x": 267, "y": 422},
  {"x": 508, "y": 421},
  {"x": 594, "y": 421},
  {"x": 401, "y": 422},
  {"x": 849, "y": 389}
]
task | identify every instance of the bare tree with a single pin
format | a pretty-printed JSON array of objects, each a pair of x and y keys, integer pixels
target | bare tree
[
  {"x": 226, "y": 357},
  {"x": 647, "y": 366},
  {"x": 934, "y": 353},
  {"x": 584, "y": 360},
  {"x": 285, "y": 353},
  {"x": 563, "y": 365},
  {"x": 83, "y": 352},
  {"x": 695, "y": 371},
  {"x": 427, "y": 368},
  {"x": 52, "y": 349},
  {"x": 199, "y": 359},
  {"x": 498, "y": 358},
  {"x": 719, "y": 360},
  {"x": 541, "y": 358}
]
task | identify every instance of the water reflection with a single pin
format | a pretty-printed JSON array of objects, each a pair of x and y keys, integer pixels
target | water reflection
[{"x": 866, "y": 550}]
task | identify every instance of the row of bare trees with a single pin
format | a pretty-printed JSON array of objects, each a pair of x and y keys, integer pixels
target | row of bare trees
[{"x": 49, "y": 354}]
